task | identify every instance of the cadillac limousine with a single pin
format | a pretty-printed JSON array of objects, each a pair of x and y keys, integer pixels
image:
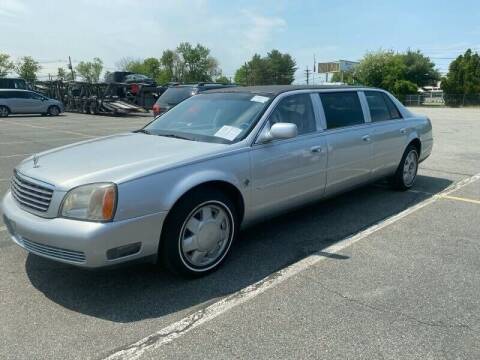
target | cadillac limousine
[{"x": 179, "y": 190}]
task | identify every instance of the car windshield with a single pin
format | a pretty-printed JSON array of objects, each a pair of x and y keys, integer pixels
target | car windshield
[
  {"x": 214, "y": 117},
  {"x": 175, "y": 95}
]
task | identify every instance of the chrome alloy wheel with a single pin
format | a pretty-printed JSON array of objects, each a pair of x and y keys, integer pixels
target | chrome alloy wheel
[
  {"x": 3, "y": 111},
  {"x": 410, "y": 167},
  {"x": 206, "y": 235}
]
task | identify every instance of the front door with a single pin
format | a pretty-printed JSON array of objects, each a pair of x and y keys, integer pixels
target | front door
[{"x": 286, "y": 173}]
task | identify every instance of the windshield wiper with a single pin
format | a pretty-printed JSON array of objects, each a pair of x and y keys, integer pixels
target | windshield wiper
[
  {"x": 143, "y": 131},
  {"x": 176, "y": 136}
]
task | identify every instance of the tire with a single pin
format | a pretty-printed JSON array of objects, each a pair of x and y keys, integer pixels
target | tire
[
  {"x": 4, "y": 111},
  {"x": 198, "y": 233},
  {"x": 406, "y": 173},
  {"x": 53, "y": 111}
]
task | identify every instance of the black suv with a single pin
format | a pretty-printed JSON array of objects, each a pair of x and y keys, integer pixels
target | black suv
[{"x": 177, "y": 93}]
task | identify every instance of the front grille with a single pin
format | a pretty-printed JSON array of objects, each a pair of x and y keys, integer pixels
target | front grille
[
  {"x": 30, "y": 194},
  {"x": 52, "y": 251}
]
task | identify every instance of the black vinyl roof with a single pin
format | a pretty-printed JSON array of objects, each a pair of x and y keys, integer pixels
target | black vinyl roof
[{"x": 274, "y": 90}]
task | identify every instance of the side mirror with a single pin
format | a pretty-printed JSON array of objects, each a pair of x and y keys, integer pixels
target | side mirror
[{"x": 280, "y": 131}]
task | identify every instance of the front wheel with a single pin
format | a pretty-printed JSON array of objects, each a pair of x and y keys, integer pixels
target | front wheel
[
  {"x": 406, "y": 173},
  {"x": 198, "y": 233},
  {"x": 53, "y": 111}
]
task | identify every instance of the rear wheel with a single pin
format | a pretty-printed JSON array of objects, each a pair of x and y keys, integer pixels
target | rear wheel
[
  {"x": 406, "y": 173},
  {"x": 198, "y": 233},
  {"x": 53, "y": 110},
  {"x": 4, "y": 111}
]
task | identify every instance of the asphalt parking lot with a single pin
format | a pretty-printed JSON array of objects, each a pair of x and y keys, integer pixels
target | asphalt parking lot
[{"x": 372, "y": 274}]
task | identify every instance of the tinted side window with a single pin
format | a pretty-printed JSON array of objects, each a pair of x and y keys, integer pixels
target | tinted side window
[
  {"x": 342, "y": 109},
  {"x": 298, "y": 110},
  {"x": 32, "y": 95},
  {"x": 378, "y": 107},
  {"x": 381, "y": 107},
  {"x": 392, "y": 108},
  {"x": 20, "y": 95}
]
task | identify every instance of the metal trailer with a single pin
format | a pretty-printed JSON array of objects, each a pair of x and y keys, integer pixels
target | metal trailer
[{"x": 101, "y": 98}]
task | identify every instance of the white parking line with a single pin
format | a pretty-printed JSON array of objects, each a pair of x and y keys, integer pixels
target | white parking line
[
  {"x": 181, "y": 327},
  {"x": 47, "y": 128},
  {"x": 42, "y": 141},
  {"x": 13, "y": 155}
]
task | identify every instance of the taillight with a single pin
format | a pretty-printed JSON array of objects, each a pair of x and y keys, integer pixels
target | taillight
[{"x": 134, "y": 88}]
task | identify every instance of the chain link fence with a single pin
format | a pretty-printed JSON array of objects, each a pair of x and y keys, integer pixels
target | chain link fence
[{"x": 440, "y": 99}]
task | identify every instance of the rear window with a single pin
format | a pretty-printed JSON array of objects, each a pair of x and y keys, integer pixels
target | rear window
[
  {"x": 175, "y": 95},
  {"x": 342, "y": 109}
]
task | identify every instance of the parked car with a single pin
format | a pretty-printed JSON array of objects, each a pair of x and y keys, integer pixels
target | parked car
[
  {"x": 181, "y": 188},
  {"x": 13, "y": 83},
  {"x": 177, "y": 93},
  {"x": 27, "y": 102}
]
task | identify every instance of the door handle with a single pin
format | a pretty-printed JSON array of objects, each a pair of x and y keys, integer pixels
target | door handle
[
  {"x": 316, "y": 149},
  {"x": 366, "y": 138},
  {"x": 403, "y": 130}
]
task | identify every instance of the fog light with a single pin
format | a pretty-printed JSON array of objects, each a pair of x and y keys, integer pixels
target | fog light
[{"x": 123, "y": 251}]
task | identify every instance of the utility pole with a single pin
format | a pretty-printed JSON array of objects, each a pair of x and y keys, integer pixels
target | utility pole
[
  {"x": 71, "y": 67},
  {"x": 307, "y": 74},
  {"x": 314, "y": 69}
]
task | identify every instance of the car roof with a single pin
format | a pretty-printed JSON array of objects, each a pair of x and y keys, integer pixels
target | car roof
[
  {"x": 25, "y": 90},
  {"x": 274, "y": 90}
]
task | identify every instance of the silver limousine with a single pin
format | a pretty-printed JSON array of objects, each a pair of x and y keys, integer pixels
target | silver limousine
[{"x": 179, "y": 189}]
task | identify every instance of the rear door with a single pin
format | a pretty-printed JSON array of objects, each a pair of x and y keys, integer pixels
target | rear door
[
  {"x": 16, "y": 101},
  {"x": 349, "y": 140},
  {"x": 389, "y": 133},
  {"x": 289, "y": 172}
]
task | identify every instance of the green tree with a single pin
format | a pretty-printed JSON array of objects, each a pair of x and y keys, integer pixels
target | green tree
[
  {"x": 27, "y": 68},
  {"x": 463, "y": 75},
  {"x": 64, "y": 75},
  {"x": 90, "y": 71},
  {"x": 275, "y": 68},
  {"x": 386, "y": 70},
  {"x": 197, "y": 63},
  {"x": 281, "y": 68},
  {"x": 419, "y": 70},
  {"x": 6, "y": 66}
]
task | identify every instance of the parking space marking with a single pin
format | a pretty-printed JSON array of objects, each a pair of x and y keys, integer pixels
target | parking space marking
[
  {"x": 461, "y": 199},
  {"x": 202, "y": 316},
  {"x": 13, "y": 155},
  {"x": 46, "y": 128},
  {"x": 41, "y": 141}
]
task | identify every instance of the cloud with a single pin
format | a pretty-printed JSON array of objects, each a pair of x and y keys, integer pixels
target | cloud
[
  {"x": 261, "y": 30},
  {"x": 12, "y": 8}
]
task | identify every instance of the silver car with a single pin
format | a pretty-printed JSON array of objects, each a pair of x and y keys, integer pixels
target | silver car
[
  {"x": 181, "y": 188},
  {"x": 14, "y": 101}
]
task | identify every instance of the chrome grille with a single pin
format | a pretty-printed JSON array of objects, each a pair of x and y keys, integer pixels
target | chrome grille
[
  {"x": 52, "y": 251},
  {"x": 30, "y": 194}
]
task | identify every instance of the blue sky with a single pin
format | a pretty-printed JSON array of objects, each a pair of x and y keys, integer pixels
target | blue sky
[{"x": 235, "y": 30}]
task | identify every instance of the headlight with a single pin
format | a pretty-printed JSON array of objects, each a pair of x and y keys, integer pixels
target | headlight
[{"x": 94, "y": 202}]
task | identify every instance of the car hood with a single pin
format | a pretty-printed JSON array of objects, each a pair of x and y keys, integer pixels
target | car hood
[{"x": 115, "y": 158}]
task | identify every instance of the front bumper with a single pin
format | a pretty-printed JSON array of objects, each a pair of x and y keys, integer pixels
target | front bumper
[{"x": 81, "y": 243}]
